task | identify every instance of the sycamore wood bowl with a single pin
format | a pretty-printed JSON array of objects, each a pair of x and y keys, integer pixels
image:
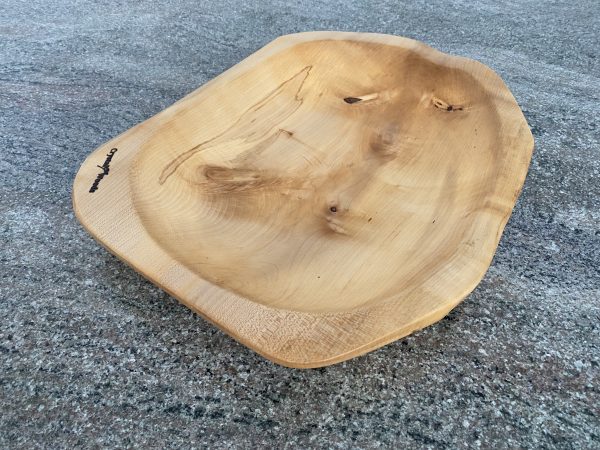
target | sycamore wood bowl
[{"x": 329, "y": 194}]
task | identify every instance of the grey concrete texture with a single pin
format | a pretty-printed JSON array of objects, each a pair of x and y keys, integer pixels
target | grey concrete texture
[{"x": 93, "y": 355}]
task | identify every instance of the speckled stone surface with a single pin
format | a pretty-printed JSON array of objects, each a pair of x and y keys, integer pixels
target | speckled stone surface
[{"x": 92, "y": 355}]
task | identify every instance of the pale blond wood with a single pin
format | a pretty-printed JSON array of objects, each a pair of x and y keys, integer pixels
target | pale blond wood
[{"x": 327, "y": 195}]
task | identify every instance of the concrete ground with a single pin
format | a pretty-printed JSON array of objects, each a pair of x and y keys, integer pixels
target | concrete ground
[{"x": 92, "y": 355}]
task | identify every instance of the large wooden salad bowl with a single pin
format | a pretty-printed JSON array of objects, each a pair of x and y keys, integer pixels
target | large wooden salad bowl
[{"x": 329, "y": 194}]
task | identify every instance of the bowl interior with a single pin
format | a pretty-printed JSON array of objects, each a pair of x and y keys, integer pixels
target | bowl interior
[{"x": 332, "y": 175}]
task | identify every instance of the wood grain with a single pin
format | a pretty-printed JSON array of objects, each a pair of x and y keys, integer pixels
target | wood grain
[{"x": 329, "y": 194}]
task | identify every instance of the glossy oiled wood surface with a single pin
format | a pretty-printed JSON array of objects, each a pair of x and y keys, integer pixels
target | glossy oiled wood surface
[{"x": 329, "y": 194}]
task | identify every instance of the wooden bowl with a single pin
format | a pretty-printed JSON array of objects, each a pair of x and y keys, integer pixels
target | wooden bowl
[{"x": 329, "y": 194}]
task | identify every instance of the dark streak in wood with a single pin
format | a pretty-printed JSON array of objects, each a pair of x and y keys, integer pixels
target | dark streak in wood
[{"x": 351, "y": 100}]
